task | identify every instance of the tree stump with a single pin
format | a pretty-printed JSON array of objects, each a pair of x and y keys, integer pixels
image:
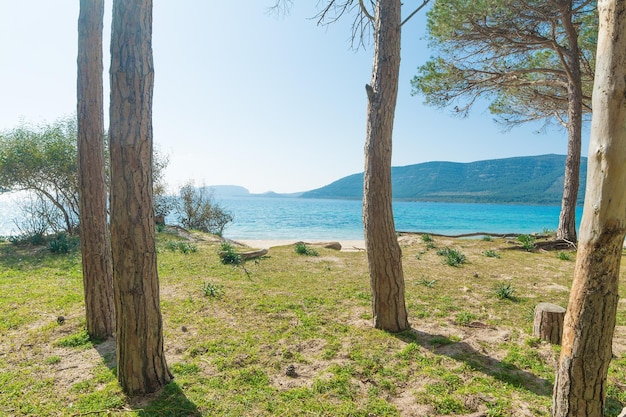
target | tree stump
[{"x": 548, "y": 324}]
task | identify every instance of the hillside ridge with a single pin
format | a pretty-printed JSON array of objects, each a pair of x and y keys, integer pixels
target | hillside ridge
[{"x": 516, "y": 180}]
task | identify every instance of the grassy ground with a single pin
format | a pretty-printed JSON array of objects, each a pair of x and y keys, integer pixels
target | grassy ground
[{"x": 231, "y": 334}]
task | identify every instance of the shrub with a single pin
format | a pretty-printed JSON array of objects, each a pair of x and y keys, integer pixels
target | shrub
[
  {"x": 464, "y": 318},
  {"x": 452, "y": 257},
  {"x": 302, "y": 249},
  {"x": 61, "y": 243},
  {"x": 198, "y": 210},
  {"x": 183, "y": 247},
  {"x": 171, "y": 245},
  {"x": 491, "y": 254},
  {"x": 228, "y": 255},
  {"x": 564, "y": 256},
  {"x": 504, "y": 291},
  {"x": 212, "y": 290},
  {"x": 186, "y": 247},
  {"x": 487, "y": 238},
  {"x": 35, "y": 239},
  {"x": 527, "y": 241},
  {"x": 427, "y": 283},
  {"x": 427, "y": 238}
]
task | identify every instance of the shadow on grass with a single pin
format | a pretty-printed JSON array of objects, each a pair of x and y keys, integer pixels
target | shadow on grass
[
  {"x": 25, "y": 256},
  {"x": 169, "y": 402},
  {"x": 461, "y": 351}
]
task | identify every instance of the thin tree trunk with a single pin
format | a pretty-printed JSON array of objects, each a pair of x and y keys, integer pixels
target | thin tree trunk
[
  {"x": 580, "y": 387},
  {"x": 95, "y": 243},
  {"x": 567, "y": 218},
  {"x": 383, "y": 251},
  {"x": 141, "y": 361}
]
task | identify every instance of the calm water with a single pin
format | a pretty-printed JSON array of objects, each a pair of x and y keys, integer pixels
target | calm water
[
  {"x": 304, "y": 219},
  {"x": 285, "y": 218}
]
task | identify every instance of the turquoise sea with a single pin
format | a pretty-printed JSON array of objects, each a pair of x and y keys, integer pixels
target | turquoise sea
[{"x": 311, "y": 219}]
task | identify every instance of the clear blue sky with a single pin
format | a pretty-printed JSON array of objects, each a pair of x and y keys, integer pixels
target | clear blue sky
[{"x": 246, "y": 98}]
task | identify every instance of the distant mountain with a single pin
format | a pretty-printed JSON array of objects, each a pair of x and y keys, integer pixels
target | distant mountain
[
  {"x": 228, "y": 190},
  {"x": 520, "y": 180},
  {"x": 225, "y": 191}
]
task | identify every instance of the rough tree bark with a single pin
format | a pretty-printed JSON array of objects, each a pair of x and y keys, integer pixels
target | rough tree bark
[
  {"x": 141, "y": 361},
  {"x": 580, "y": 387},
  {"x": 95, "y": 242},
  {"x": 567, "y": 217},
  {"x": 383, "y": 250}
]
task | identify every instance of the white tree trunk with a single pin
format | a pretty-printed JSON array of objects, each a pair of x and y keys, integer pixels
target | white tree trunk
[{"x": 580, "y": 387}]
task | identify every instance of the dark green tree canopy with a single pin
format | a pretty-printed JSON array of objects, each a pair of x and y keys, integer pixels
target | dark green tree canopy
[{"x": 514, "y": 54}]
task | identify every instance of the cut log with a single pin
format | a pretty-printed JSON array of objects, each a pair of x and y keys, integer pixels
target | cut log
[
  {"x": 254, "y": 254},
  {"x": 326, "y": 245},
  {"x": 548, "y": 324},
  {"x": 330, "y": 245}
]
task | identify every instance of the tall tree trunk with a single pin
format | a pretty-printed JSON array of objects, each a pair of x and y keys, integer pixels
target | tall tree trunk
[
  {"x": 140, "y": 356},
  {"x": 95, "y": 243},
  {"x": 580, "y": 387},
  {"x": 383, "y": 251},
  {"x": 567, "y": 217}
]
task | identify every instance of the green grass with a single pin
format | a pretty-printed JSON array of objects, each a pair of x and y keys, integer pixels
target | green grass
[
  {"x": 452, "y": 257},
  {"x": 229, "y": 353},
  {"x": 490, "y": 253},
  {"x": 564, "y": 256},
  {"x": 76, "y": 340},
  {"x": 505, "y": 291},
  {"x": 301, "y": 248}
]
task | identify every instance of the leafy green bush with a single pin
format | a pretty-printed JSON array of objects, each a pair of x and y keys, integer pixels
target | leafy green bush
[
  {"x": 427, "y": 238},
  {"x": 34, "y": 239},
  {"x": 527, "y": 241},
  {"x": 505, "y": 291},
  {"x": 183, "y": 247},
  {"x": 452, "y": 257},
  {"x": 186, "y": 247},
  {"x": 464, "y": 318},
  {"x": 564, "y": 256},
  {"x": 491, "y": 254},
  {"x": 212, "y": 290},
  {"x": 487, "y": 238},
  {"x": 228, "y": 255},
  {"x": 302, "y": 249},
  {"x": 62, "y": 244}
]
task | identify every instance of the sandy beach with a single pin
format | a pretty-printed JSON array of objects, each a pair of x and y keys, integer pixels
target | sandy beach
[{"x": 346, "y": 245}]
